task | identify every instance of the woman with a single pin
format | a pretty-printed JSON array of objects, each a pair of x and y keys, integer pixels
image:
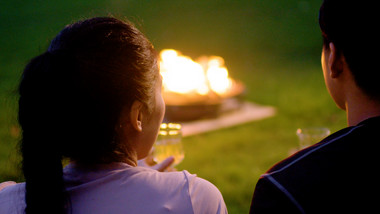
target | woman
[{"x": 94, "y": 97}]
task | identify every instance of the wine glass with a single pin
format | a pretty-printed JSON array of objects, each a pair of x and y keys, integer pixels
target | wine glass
[
  {"x": 311, "y": 135},
  {"x": 169, "y": 143}
]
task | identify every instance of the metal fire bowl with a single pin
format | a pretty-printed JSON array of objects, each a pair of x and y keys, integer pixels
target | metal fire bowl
[
  {"x": 184, "y": 113},
  {"x": 211, "y": 107}
]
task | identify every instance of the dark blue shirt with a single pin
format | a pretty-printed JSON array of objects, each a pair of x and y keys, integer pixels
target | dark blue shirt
[{"x": 336, "y": 175}]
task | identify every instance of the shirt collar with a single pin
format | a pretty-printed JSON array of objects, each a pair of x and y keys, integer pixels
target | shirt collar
[{"x": 371, "y": 120}]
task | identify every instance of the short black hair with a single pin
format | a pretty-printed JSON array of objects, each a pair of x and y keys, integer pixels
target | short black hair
[{"x": 352, "y": 27}]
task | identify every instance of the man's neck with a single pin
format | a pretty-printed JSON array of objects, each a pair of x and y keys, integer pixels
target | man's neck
[{"x": 359, "y": 109}]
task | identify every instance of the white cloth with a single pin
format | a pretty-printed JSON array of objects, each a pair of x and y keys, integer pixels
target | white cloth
[{"x": 120, "y": 188}]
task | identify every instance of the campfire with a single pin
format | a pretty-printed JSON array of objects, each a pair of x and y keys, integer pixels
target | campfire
[{"x": 195, "y": 89}]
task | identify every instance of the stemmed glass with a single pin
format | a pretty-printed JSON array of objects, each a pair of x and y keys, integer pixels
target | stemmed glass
[
  {"x": 311, "y": 135},
  {"x": 169, "y": 143}
]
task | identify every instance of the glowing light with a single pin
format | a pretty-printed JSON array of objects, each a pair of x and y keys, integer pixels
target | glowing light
[
  {"x": 217, "y": 75},
  {"x": 183, "y": 75}
]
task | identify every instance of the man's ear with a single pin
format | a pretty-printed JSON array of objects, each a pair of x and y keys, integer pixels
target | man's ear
[
  {"x": 335, "y": 61},
  {"x": 136, "y": 115}
]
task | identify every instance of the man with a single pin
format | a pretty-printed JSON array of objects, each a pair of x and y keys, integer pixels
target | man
[{"x": 338, "y": 174}]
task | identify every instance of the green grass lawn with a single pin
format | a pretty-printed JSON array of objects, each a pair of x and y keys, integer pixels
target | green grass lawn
[{"x": 272, "y": 46}]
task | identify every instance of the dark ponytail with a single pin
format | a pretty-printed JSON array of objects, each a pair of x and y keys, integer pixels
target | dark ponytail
[
  {"x": 71, "y": 101},
  {"x": 42, "y": 166}
]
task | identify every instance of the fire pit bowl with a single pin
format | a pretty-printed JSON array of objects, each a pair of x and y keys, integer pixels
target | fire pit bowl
[
  {"x": 184, "y": 113},
  {"x": 184, "y": 108},
  {"x": 195, "y": 90}
]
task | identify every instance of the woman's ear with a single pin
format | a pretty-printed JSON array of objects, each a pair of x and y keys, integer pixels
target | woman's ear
[
  {"x": 335, "y": 61},
  {"x": 136, "y": 115}
]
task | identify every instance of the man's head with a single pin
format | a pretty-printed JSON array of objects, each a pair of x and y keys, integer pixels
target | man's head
[{"x": 352, "y": 28}]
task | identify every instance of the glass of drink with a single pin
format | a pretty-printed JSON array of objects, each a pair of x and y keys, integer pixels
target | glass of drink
[
  {"x": 169, "y": 143},
  {"x": 311, "y": 135}
]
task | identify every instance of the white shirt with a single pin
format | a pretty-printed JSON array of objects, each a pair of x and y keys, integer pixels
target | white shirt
[{"x": 120, "y": 188}]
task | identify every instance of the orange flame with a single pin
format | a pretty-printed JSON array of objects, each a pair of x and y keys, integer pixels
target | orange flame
[{"x": 182, "y": 75}]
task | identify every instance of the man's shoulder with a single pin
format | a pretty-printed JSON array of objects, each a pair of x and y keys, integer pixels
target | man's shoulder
[
  {"x": 341, "y": 144},
  {"x": 332, "y": 170}
]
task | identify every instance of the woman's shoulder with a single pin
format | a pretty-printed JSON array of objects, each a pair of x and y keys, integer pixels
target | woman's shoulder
[
  {"x": 179, "y": 192},
  {"x": 183, "y": 178},
  {"x": 12, "y": 198},
  {"x": 204, "y": 196},
  {"x": 160, "y": 179},
  {"x": 11, "y": 189}
]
